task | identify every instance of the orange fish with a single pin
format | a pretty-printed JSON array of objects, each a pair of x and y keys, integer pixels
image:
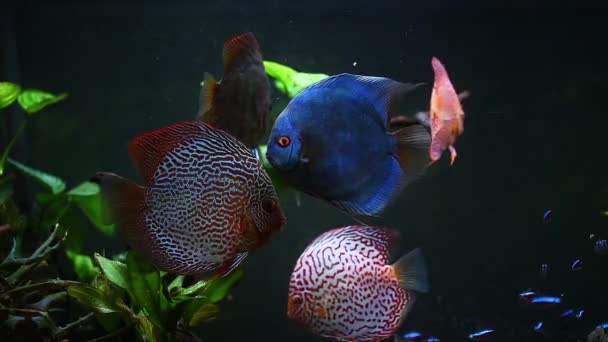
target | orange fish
[{"x": 447, "y": 116}]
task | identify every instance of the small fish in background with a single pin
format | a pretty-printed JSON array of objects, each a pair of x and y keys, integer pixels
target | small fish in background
[
  {"x": 447, "y": 116},
  {"x": 547, "y": 216},
  {"x": 572, "y": 314},
  {"x": 415, "y": 336},
  {"x": 207, "y": 204},
  {"x": 600, "y": 247},
  {"x": 544, "y": 270},
  {"x": 342, "y": 286},
  {"x": 538, "y": 327},
  {"x": 240, "y": 103},
  {"x": 289, "y": 81},
  {"x": 482, "y": 335},
  {"x": 567, "y": 313},
  {"x": 577, "y": 265},
  {"x": 526, "y": 297},
  {"x": 332, "y": 141},
  {"x": 545, "y": 302}
]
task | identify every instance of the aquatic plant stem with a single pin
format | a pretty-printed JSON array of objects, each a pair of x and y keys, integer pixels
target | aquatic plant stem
[
  {"x": 57, "y": 284},
  {"x": 62, "y": 331},
  {"x": 41, "y": 253}
]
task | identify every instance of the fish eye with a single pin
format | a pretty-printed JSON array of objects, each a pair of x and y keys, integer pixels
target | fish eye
[
  {"x": 268, "y": 205},
  {"x": 284, "y": 141},
  {"x": 298, "y": 300}
]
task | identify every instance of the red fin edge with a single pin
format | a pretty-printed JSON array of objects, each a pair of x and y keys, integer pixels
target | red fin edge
[
  {"x": 236, "y": 47},
  {"x": 148, "y": 149}
]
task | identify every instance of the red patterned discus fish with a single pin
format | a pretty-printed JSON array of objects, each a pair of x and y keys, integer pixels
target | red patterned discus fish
[
  {"x": 447, "y": 116},
  {"x": 343, "y": 288},
  {"x": 207, "y": 204},
  {"x": 240, "y": 103}
]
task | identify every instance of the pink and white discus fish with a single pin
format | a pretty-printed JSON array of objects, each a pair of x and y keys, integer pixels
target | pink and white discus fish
[
  {"x": 447, "y": 116},
  {"x": 207, "y": 204},
  {"x": 343, "y": 288}
]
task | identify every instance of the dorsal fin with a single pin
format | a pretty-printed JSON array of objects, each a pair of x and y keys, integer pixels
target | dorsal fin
[
  {"x": 383, "y": 93},
  {"x": 207, "y": 96},
  {"x": 241, "y": 46},
  {"x": 148, "y": 149},
  {"x": 382, "y": 239}
]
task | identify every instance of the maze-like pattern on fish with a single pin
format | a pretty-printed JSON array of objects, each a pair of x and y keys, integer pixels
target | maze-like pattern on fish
[
  {"x": 201, "y": 194},
  {"x": 349, "y": 292}
]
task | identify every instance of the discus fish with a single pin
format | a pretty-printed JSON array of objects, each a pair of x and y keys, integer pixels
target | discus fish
[
  {"x": 332, "y": 141},
  {"x": 240, "y": 103},
  {"x": 447, "y": 116},
  {"x": 343, "y": 288},
  {"x": 208, "y": 201}
]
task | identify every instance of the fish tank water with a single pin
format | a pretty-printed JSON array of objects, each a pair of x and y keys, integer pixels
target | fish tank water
[{"x": 513, "y": 232}]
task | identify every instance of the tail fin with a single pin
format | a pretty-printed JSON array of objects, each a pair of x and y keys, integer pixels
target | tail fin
[
  {"x": 413, "y": 143},
  {"x": 411, "y": 271},
  {"x": 123, "y": 199}
]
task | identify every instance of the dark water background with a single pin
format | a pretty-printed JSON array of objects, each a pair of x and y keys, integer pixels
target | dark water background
[{"x": 535, "y": 136}]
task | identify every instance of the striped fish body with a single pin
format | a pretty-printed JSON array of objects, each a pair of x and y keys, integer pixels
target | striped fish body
[
  {"x": 343, "y": 288},
  {"x": 207, "y": 204}
]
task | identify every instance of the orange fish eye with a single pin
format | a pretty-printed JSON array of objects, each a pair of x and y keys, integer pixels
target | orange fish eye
[{"x": 284, "y": 141}]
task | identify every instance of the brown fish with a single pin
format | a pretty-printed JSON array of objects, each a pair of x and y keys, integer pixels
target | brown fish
[{"x": 240, "y": 103}]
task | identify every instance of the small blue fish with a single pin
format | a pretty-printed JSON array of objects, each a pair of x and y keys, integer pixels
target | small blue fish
[
  {"x": 538, "y": 326},
  {"x": 567, "y": 313},
  {"x": 333, "y": 142},
  {"x": 413, "y": 335},
  {"x": 601, "y": 247},
  {"x": 547, "y": 216},
  {"x": 580, "y": 314},
  {"x": 482, "y": 335},
  {"x": 602, "y": 326},
  {"x": 577, "y": 265},
  {"x": 546, "y": 301}
]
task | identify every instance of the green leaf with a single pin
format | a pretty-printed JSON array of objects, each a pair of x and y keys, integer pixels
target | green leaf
[
  {"x": 91, "y": 298},
  {"x": 6, "y": 191},
  {"x": 114, "y": 271},
  {"x": 219, "y": 288},
  {"x": 34, "y": 100},
  {"x": 8, "y": 93},
  {"x": 85, "y": 189},
  {"x": 200, "y": 312},
  {"x": 10, "y": 145},
  {"x": 195, "y": 291},
  {"x": 289, "y": 81},
  {"x": 176, "y": 284},
  {"x": 55, "y": 184},
  {"x": 83, "y": 265},
  {"x": 145, "y": 329},
  {"x": 87, "y": 197},
  {"x": 145, "y": 285}
]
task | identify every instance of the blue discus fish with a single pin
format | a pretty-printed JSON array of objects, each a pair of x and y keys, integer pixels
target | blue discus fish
[{"x": 332, "y": 141}]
